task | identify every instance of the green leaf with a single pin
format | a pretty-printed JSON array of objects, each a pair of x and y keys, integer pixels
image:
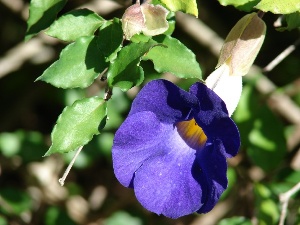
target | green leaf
[
  {"x": 122, "y": 218},
  {"x": 79, "y": 64},
  {"x": 186, "y": 6},
  {"x": 172, "y": 22},
  {"x": 292, "y": 21},
  {"x": 14, "y": 201},
  {"x": 125, "y": 71},
  {"x": 75, "y": 24},
  {"x": 55, "y": 215},
  {"x": 77, "y": 124},
  {"x": 110, "y": 39},
  {"x": 244, "y": 5},
  {"x": 261, "y": 132},
  {"x": 41, "y": 14},
  {"x": 267, "y": 209},
  {"x": 279, "y": 6},
  {"x": 174, "y": 57},
  {"x": 267, "y": 143},
  {"x": 235, "y": 221}
]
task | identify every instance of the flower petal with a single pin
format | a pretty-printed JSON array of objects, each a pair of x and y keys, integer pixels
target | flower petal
[
  {"x": 213, "y": 118},
  {"x": 165, "y": 184},
  {"x": 228, "y": 88},
  {"x": 211, "y": 105},
  {"x": 134, "y": 142},
  {"x": 166, "y": 100},
  {"x": 213, "y": 166}
]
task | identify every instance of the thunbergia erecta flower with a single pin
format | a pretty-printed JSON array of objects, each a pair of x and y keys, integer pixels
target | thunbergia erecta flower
[{"x": 172, "y": 148}]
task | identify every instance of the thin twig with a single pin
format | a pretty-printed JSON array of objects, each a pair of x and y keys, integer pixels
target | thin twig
[
  {"x": 63, "y": 178},
  {"x": 281, "y": 56},
  {"x": 284, "y": 199}
]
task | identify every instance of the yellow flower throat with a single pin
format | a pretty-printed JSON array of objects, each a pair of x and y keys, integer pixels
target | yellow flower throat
[{"x": 191, "y": 133}]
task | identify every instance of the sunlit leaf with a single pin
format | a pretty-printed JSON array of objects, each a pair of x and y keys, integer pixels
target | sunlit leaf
[
  {"x": 41, "y": 14},
  {"x": 245, "y": 5},
  {"x": 77, "y": 124},
  {"x": 186, "y": 6},
  {"x": 174, "y": 57},
  {"x": 75, "y": 24},
  {"x": 79, "y": 64},
  {"x": 279, "y": 6},
  {"x": 125, "y": 71}
]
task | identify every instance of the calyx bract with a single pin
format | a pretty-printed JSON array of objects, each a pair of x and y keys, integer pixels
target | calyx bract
[{"x": 243, "y": 44}]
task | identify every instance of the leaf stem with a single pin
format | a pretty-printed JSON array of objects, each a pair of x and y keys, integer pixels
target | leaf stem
[
  {"x": 260, "y": 14},
  {"x": 108, "y": 94},
  {"x": 63, "y": 178}
]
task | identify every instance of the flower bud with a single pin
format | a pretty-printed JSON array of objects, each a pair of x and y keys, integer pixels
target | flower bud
[
  {"x": 243, "y": 44},
  {"x": 147, "y": 18}
]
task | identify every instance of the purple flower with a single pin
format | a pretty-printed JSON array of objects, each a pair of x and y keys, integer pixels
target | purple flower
[{"x": 172, "y": 148}]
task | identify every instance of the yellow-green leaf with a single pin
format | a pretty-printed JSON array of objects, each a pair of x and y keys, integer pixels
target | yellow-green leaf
[
  {"x": 279, "y": 6},
  {"x": 186, "y": 6}
]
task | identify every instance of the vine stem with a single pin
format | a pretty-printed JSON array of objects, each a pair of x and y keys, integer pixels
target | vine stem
[
  {"x": 284, "y": 199},
  {"x": 63, "y": 178}
]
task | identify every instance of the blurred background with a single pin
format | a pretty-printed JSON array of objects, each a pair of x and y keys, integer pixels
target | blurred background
[{"x": 268, "y": 117}]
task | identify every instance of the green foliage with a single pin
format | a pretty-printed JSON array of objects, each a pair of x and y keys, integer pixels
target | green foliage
[
  {"x": 268, "y": 212},
  {"x": 265, "y": 147},
  {"x": 42, "y": 14},
  {"x": 170, "y": 51},
  {"x": 125, "y": 71},
  {"x": 186, "y": 6},
  {"x": 279, "y": 6},
  {"x": 28, "y": 145},
  {"x": 245, "y": 5},
  {"x": 274, "y": 6},
  {"x": 77, "y": 124},
  {"x": 235, "y": 221},
  {"x": 55, "y": 215},
  {"x": 122, "y": 218},
  {"x": 14, "y": 201},
  {"x": 75, "y": 24},
  {"x": 79, "y": 64},
  {"x": 292, "y": 21},
  {"x": 110, "y": 39}
]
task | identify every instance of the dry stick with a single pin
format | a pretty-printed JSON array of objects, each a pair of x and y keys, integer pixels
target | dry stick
[
  {"x": 63, "y": 178},
  {"x": 281, "y": 56},
  {"x": 284, "y": 199}
]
